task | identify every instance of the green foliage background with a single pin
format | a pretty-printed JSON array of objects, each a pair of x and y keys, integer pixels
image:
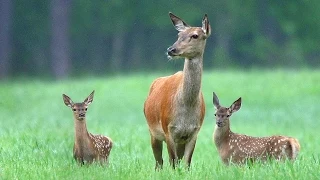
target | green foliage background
[{"x": 111, "y": 36}]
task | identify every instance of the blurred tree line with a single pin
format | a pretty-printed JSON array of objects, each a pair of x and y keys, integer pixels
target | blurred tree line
[{"x": 70, "y": 37}]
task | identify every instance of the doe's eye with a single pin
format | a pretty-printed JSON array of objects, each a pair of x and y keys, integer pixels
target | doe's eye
[
  {"x": 215, "y": 114},
  {"x": 195, "y": 36},
  {"x": 228, "y": 115},
  {"x": 86, "y": 108},
  {"x": 74, "y": 109}
]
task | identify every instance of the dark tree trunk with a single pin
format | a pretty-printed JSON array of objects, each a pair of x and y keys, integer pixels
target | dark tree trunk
[
  {"x": 133, "y": 60},
  {"x": 39, "y": 59},
  {"x": 5, "y": 43},
  {"x": 223, "y": 27},
  {"x": 97, "y": 54},
  {"x": 270, "y": 27},
  {"x": 117, "y": 50},
  {"x": 60, "y": 55}
]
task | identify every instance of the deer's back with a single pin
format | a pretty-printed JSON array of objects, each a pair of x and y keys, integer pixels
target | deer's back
[
  {"x": 102, "y": 145},
  {"x": 158, "y": 106},
  {"x": 96, "y": 147},
  {"x": 241, "y": 147}
]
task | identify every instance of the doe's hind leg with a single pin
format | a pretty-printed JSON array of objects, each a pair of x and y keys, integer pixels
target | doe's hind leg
[{"x": 157, "y": 152}]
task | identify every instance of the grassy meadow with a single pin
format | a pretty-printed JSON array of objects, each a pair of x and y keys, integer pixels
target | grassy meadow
[{"x": 37, "y": 129}]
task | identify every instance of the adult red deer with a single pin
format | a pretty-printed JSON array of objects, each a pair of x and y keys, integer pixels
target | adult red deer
[
  {"x": 238, "y": 148},
  {"x": 174, "y": 108}
]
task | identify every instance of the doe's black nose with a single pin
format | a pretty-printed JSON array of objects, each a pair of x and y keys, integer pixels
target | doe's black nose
[
  {"x": 171, "y": 50},
  {"x": 185, "y": 137}
]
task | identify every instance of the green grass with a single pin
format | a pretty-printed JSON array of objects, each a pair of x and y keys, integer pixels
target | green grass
[{"x": 37, "y": 132}]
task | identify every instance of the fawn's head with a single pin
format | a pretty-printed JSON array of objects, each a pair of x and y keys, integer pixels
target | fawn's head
[
  {"x": 191, "y": 40},
  {"x": 79, "y": 109},
  {"x": 222, "y": 113}
]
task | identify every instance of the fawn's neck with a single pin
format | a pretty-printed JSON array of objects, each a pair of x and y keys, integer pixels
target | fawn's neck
[
  {"x": 222, "y": 135},
  {"x": 192, "y": 73},
  {"x": 81, "y": 132}
]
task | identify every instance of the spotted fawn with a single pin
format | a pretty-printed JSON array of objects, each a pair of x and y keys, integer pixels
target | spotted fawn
[
  {"x": 87, "y": 147},
  {"x": 238, "y": 148}
]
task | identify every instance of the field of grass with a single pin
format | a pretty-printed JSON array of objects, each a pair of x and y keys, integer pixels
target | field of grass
[{"x": 37, "y": 130}]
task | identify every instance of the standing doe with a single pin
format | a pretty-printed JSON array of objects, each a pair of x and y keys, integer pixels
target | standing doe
[
  {"x": 174, "y": 108},
  {"x": 238, "y": 148},
  {"x": 87, "y": 147}
]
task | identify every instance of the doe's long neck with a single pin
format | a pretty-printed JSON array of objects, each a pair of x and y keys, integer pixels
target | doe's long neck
[{"x": 192, "y": 75}]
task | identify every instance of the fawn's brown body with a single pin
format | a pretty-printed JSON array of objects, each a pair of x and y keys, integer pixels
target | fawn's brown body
[
  {"x": 87, "y": 147},
  {"x": 238, "y": 148},
  {"x": 174, "y": 108}
]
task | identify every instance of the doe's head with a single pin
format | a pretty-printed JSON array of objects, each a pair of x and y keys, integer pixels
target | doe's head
[
  {"x": 79, "y": 109},
  {"x": 223, "y": 113},
  {"x": 191, "y": 40}
]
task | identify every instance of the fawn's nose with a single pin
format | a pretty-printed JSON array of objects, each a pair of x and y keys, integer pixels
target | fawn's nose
[
  {"x": 82, "y": 115},
  {"x": 171, "y": 51},
  {"x": 219, "y": 123}
]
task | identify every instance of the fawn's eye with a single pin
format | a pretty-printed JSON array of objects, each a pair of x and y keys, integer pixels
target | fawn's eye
[
  {"x": 195, "y": 36},
  {"x": 74, "y": 109},
  {"x": 86, "y": 109},
  {"x": 228, "y": 115}
]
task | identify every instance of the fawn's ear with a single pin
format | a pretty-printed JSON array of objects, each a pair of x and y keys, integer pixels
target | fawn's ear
[
  {"x": 235, "y": 106},
  {"x": 178, "y": 23},
  {"x": 206, "y": 26},
  {"x": 89, "y": 99},
  {"x": 67, "y": 101},
  {"x": 216, "y": 102}
]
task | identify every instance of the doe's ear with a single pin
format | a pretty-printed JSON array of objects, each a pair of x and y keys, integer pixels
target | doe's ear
[
  {"x": 216, "y": 102},
  {"x": 89, "y": 99},
  {"x": 178, "y": 23},
  {"x": 206, "y": 25},
  {"x": 235, "y": 106},
  {"x": 67, "y": 100}
]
